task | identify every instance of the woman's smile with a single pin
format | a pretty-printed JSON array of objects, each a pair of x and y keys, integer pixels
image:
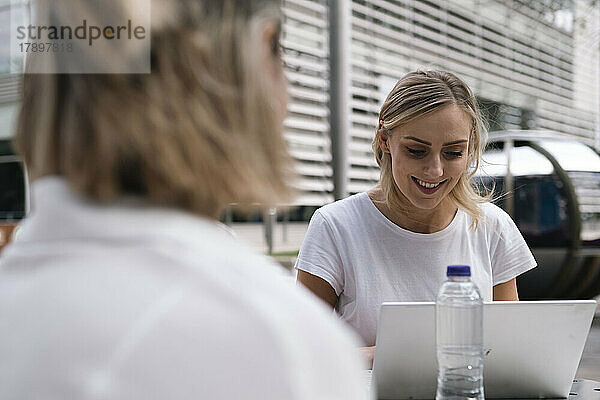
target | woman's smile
[{"x": 428, "y": 187}]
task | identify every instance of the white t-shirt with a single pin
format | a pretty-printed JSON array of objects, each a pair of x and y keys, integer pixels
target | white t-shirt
[
  {"x": 368, "y": 259},
  {"x": 130, "y": 302}
]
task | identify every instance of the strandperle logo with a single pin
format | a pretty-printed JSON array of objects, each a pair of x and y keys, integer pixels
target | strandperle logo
[
  {"x": 89, "y": 33},
  {"x": 78, "y": 37}
]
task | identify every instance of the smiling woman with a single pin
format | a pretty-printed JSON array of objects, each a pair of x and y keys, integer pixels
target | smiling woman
[{"x": 393, "y": 243}]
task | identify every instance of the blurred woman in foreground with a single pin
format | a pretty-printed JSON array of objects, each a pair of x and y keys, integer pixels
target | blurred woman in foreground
[{"x": 121, "y": 284}]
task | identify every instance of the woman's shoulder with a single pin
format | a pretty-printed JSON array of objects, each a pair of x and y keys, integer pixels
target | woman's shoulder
[
  {"x": 493, "y": 213},
  {"x": 491, "y": 210},
  {"x": 351, "y": 206},
  {"x": 495, "y": 218}
]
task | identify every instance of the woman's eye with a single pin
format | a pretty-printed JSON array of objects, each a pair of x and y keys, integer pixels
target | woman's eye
[
  {"x": 415, "y": 152},
  {"x": 453, "y": 154}
]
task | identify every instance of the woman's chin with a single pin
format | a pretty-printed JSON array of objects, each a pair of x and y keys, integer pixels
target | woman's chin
[{"x": 426, "y": 204}]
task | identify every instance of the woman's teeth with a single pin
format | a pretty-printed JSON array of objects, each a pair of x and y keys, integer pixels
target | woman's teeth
[{"x": 427, "y": 185}]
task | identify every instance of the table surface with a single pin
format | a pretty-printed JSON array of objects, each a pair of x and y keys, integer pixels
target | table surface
[{"x": 582, "y": 389}]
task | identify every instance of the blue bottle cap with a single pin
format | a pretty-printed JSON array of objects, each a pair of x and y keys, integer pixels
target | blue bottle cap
[{"x": 458, "y": 270}]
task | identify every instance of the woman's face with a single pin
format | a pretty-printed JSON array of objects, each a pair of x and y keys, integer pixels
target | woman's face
[{"x": 429, "y": 155}]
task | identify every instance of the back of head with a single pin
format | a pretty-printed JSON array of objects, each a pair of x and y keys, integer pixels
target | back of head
[{"x": 201, "y": 130}]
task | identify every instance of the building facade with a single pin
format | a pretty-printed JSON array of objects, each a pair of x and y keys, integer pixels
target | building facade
[{"x": 533, "y": 64}]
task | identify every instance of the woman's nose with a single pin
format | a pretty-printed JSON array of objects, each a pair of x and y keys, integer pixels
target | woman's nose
[{"x": 433, "y": 168}]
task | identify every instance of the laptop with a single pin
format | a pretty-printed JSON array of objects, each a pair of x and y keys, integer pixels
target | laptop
[{"x": 532, "y": 348}]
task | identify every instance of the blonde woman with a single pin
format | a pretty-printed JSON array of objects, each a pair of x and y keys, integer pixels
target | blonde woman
[
  {"x": 121, "y": 284},
  {"x": 394, "y": 242}
]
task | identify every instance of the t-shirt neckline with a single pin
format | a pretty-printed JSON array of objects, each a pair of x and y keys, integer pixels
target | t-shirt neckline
[{"x": 405, "y": 232}]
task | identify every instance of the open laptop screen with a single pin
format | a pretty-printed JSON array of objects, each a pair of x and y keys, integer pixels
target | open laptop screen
[{"x": 532, "y": 348}]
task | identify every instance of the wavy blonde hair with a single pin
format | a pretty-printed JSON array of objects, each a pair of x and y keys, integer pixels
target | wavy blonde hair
[
  {"x": 419, "y": 93},
  {"x": 200, "y": 131}
]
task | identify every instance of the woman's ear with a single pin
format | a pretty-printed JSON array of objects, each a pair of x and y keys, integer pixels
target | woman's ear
[
  {"x": 383, "y": 137},
  {"x": 383, "y": 141}
]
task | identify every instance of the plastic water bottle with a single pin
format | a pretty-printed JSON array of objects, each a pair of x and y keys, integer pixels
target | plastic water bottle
[{"x": 459, "y": 337}]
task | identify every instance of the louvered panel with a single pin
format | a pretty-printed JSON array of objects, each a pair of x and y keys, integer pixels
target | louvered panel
[
  {"x": 318, "y": 170},
  {"x": 357, "y": 187},
  {"x": 305, "y": 48},
  {"x": 364, "y": 119},
  {"x": 318, "y": 7},
  {"x": 361, "y": 145},
  {"x": 366, "y": 161},
  {"x": 436, "y": 54},
  {"x": 564, "y": 110},
  {"x": 304, "y": 80},
  {"x": 306, "y": 155},
  {"x": 10, "y": 88},
  {"x": 312, "y": 95},
  {"x": 314, "y": 184},
  {"x": 363, "y": 133},
  {"x": 567, "y": 120},
  {"x": 568, "y": 115},
  {"x": 393, "y": 71},
  {"x": 306, "y": 52},
  {"x": 309, "y": 130},
  {"x": 448, "y": 29},
  {"x": 306, "y": 64},
  {"x": 308, "y": 139},
  {"x": 310, "y": 110},
  {"x": 300, "y": 31},
  {"x": 364, "y": 174},
  {"x": 360, "y": 91},
  {"x": 290, "y": 14},
  {"x": 365, "y": 106}
]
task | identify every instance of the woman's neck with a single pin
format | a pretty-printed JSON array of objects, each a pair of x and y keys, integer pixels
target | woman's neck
[{"x": 415, "y": 219}]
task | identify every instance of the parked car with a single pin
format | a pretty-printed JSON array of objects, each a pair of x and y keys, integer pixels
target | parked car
[{"x": 550, "y": 184}]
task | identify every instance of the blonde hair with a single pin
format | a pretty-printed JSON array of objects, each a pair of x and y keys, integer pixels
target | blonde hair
[
  {"x": 200, "y": 131},
  {"x": 419, "y": 93}
]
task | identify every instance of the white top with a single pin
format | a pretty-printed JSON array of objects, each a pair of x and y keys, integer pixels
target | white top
[
  {"x": 130, "y": 302},
  {"x": 368, "y": 259}
]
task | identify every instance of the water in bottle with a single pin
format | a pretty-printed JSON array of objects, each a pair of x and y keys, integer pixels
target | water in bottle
[{"x": 459, "y": 337}]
